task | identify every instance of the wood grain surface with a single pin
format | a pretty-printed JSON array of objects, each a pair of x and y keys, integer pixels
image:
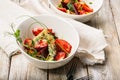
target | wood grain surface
[
  {"x": 22, "y": 69},
  {"x": 4, "y": 65},
  {"x": 108, "y": 19}
]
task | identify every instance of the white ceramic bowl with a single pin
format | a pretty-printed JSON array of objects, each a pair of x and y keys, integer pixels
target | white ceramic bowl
[
  {"x": 96, "y": 5},
  {"x": 61, "y": 27}
]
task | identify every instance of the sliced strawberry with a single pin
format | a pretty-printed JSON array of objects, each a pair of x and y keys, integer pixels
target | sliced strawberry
[
  {"x": 28, "y": 42},
  {"x": 63, "y": 9},
  {"x": 37, "y": 30},
  {"x": 60, "y": 56},
  {"x": 64, "y": 45},
  {"x": 41, "y": 44}
]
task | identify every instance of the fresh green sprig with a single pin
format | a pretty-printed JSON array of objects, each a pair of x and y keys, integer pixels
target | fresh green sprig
[
  {"x": 16, "y": 34},
  {"x": 90, "y": 2},
  {"x": 70, "y": 6}
]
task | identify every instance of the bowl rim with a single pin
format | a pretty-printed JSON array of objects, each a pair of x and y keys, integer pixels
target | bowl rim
[
  {"x": 57, "y": 17},
  {"x": 72, "y": 15}
]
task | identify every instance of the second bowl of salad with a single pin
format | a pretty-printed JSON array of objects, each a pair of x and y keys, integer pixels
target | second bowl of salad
[{"x": 82, "y": 10}]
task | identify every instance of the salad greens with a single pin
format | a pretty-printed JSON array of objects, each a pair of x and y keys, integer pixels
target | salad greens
[{"x": 78, "y": 7}]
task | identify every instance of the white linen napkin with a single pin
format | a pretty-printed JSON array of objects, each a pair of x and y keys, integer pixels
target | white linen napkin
[{"x": 92, "y": 41}]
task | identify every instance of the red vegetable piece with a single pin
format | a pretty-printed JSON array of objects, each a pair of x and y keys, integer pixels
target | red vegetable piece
[
  {"x": 40, "y": 45},
  {"x": 64, "y": 45},
  {"x": 63, "y": 9},
  {"x": 28, "y": 42},
  {"x": 75, "y": 9},
  {"x": 60, "y": 56},
  {"x": 44, "y": 52},
  {"x": 87, "y": 8},
  {"x": 50, "y": 30},
  {"x": 77, "y": 5},
  {"x": 37, "y": 30},
  {"x": 81, "y": 12},
  {"x": 66, "y": 1},
  {"x": 43, "y": 43}
]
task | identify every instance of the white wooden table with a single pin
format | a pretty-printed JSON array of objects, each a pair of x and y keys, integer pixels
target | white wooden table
[{"x": 108, "y": 19}]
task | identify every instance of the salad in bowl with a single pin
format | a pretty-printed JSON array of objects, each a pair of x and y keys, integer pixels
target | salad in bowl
[
  {"x": 46, "y": 41},
  {"x": 45, "y": 45},
  {"x": 77, "y": 7},
  {"x": 81, "y": 10}
]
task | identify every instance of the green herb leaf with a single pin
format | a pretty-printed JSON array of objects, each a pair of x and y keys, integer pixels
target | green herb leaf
[
  {"x": 19, "y": 39},
  {"x": 90, "y": 2},
  {"x": 33, "y": 43},
  {"x": 70, "y": 6},
  {"x": 17, "y": 36},
  {"x": 17, "y": 33}
]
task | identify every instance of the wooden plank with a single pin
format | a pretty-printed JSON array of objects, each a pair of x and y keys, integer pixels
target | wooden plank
[
  {"x": 116, "y": 14},
  {"x": 4, "y": 65},
  {"x": 22, "y": 69},
  {"x": 60, "y": 73},
  {"x": 110, "y": 70}
]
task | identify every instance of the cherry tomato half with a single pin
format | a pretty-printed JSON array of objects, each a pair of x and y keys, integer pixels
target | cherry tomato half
[
  {"x": 62, "y": 9},
  {"x": 64, "y": 45},
  {"x": 28, "y": 42},
  {"x": 60, "y": 56}
]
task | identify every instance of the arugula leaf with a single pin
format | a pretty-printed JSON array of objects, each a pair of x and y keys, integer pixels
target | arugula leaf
[{"x": 70, "y": 6}]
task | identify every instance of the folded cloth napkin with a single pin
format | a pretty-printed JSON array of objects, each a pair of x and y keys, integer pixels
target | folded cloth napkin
[{"x": 92, "y": 41}]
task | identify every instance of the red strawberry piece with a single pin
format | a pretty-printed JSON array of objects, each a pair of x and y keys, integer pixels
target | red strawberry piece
[
  {"x": 62, "y": 9},
  {"x": 60, "y": 56},
  {"x": 28, "y": 42},
  {"x": 64, "y": 45},
  {"x": 37, "y": 30},
  {"x": 41, "y": 44}
]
